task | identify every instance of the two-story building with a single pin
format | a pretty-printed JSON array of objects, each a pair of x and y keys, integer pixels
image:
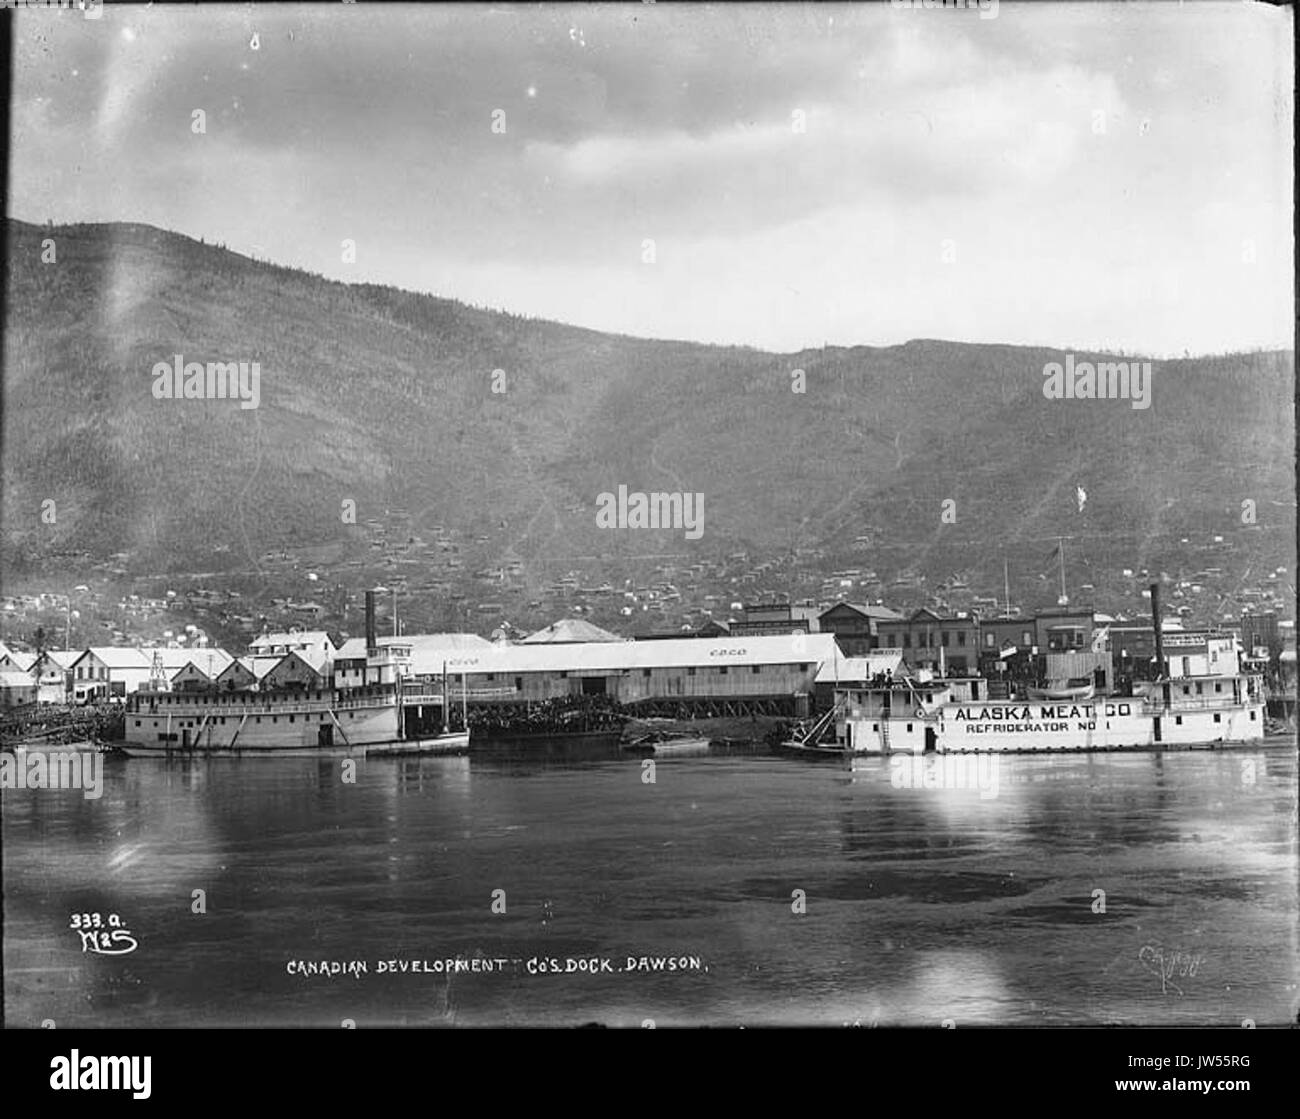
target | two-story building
[
  {"x": 53, "y": 675},
  {"x": 269, "y": 649},
  {"x": 931, "y": 640},
  {"x": 1062, "y": 629},
  {"x": 856, "y": 626},
  {"x": 109, "y": 670},
  {"x": 775, "y": 618}
]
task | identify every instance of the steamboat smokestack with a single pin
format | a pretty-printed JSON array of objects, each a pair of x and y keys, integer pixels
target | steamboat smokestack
[
  {"x": 1155, "y": 622},
  {"x": 372, "y": 641}
]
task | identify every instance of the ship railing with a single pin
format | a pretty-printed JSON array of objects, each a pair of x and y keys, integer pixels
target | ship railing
[
  {"x": 1178, "y": 704},
  {"x": 454, "y": 695},
  {"x": 191, "y": 710}
]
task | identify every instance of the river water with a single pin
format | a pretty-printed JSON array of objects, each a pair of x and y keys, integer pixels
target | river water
[{"x": 1092, "y": 889}]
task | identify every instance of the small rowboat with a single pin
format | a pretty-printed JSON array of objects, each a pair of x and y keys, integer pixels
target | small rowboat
[
  {"x": 663, "y": 742},
  {"x": 1082, "y": 688}
]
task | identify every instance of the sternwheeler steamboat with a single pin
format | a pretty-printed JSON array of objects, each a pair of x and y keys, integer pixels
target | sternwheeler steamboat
[
  {"x": 382, "y": 714},
  {"x": 1214, "y": 703}
]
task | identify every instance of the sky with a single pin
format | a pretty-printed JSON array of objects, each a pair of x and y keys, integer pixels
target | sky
[{"x": 1112, "y": 176}]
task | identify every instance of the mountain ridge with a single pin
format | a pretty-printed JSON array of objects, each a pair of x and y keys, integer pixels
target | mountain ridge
[{"x": 384, "y": 397}]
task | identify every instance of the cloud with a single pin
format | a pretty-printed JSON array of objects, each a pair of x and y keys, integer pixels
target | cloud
[{"x": 802, "y": 159}]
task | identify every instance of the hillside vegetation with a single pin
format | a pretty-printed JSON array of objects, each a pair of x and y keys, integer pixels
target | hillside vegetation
[{"x": 384, "y": 397}]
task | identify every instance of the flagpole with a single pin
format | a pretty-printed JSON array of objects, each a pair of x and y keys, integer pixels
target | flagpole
[
  {"x": 1006, "y": 586},
  {"x": 1060, "y": 547}
]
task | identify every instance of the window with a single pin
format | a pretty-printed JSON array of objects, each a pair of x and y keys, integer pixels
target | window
[
  {"x": 803, "y": 667},
  {"x": 1198, "y": 689},
  {"x": 754, "y": 669},
  {"x": 491, "y": 675},
  {"x": 961, "y": 637},
  {"x": 722, "y": 670},
  {"x": 1218, "y": 687},
  {"x": 291, "y": 718},
  {"x": 137, "y": 722},
  {"x": 907, "y": 641},
  {"x": 909, "y": 728},
  {"x": 1218, "y": 718},
  {"x": 943, "y": 638},
  {"x": 1252, "y": 716},
  {"x": 690, "y": 671},
  {"x": 564, "y": 675},
  {"x": 1026, "y": 638},
  {"x": 875, "y": 726},
  {"x": 1178, "y": 719},
  {"x": 988, "y": 640},
  {"x": 645, "y": 672},
  {"x": 519, "y": 682}
]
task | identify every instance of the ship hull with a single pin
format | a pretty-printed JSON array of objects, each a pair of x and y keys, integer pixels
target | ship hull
[
  {"x": 1036, "y": 727},
  {"x": 439, "y": 744},
  {"x": 579, "y": 740},
  {"x": 147, "y": 750}
]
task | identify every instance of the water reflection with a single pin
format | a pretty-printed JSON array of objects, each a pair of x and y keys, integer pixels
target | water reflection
[{"x": 1045, "y": 901}]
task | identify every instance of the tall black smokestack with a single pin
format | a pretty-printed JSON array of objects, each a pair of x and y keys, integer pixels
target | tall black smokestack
[
  {"x": 372, "y": 641},
  {"x": 1155, "y": 622}
]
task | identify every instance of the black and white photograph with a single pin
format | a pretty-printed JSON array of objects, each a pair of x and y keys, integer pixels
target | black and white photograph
[{"x": 650, "y": 515}]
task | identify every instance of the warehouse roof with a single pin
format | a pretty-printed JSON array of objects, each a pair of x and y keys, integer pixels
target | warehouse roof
[
  {"x": 615, "y": 656},
  {"x": 570, "y": 631}
]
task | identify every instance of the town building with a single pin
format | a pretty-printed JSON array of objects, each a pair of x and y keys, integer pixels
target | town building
[
  {"x": 775, "y": 618},
  {"x": 927, "y": 639},
  {"x": 16, "y": 688},
  {"x": 109, "y": 670},
  {"x": 856, "y": 626},
  {"x": 241, "y": 675},
  {"x": 201, "y": 671},
  {"x": 305, "y": 669},
  {"x": 1060, "y": 629},
  {"x": 53, "y": 675}
]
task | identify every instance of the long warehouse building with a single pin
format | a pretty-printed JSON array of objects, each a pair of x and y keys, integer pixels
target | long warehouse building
[{"x": 694, "y": 677}]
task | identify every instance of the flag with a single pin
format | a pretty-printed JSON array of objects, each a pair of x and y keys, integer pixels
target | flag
[{"x": 1082, "y": 495}]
